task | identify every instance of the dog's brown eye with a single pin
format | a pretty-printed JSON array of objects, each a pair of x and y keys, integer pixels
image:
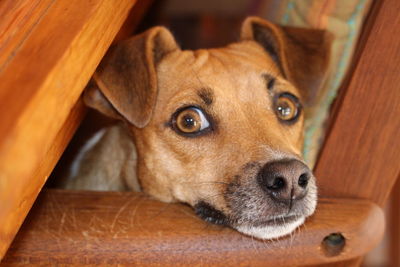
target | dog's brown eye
[
  {"x": 287, "y": 107},
  {"x": 191, "y": 120}
]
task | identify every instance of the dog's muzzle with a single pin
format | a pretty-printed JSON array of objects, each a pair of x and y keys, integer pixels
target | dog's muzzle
[{"x": 271, "y": 204}]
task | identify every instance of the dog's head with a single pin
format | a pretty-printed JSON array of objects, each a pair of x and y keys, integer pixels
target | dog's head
[{"x": 220, "y": 129}]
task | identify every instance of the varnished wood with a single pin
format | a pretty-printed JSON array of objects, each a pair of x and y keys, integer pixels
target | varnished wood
[
  {"x": 394, "y": 226},
  {"x": 18, "y": 19},
  {"x": 360, "y": 157},
  {"x": 347, "y": 263},
  {"x": 112, "y": 227},
  {"x": 49, "y": 51},
  {"x": 223, "y": 245}
]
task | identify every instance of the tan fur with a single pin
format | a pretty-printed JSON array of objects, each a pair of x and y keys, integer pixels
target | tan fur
[
  {"x": 303, "y": 53},
  {"x": 246, "y": 132},
  {"x": 146, "y": 79},
  {"x": 109, "y": 164}
]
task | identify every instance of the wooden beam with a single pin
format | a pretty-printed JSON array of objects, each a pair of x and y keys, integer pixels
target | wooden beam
[
  {"x": 394, "y": 226},
  {"x": 67, "y": 227},
  {"x": 18, "y": 19},
  {"x": 360, "y": 158},
  {"x": 49, "y": 50}
]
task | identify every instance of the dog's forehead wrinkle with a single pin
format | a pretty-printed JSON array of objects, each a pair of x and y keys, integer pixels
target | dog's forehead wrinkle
[{"x": 220, "y": 71}]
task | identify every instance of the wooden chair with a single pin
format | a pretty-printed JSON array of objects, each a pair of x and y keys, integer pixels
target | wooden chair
[{"x": 44, "y": 67}]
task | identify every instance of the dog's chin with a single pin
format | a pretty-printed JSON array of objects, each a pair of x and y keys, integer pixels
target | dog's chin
[
  {"x": 270, "y": 228},
  {"x": 269, "y": 231}
]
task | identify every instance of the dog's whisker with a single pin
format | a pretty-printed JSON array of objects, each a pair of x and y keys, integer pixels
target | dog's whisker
[
  {"x": 253, "y": 243},
  {"x": 291, "y": 238},
  {"x": 213, "y": 196},
  {"x": 205, "y": 183},
  {"x": 295, "y": 233}
]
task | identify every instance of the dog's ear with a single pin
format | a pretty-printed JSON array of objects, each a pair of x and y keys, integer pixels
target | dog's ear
[
  {"x": 301, "y": 54},
  {"x": 124, "y": 85}
]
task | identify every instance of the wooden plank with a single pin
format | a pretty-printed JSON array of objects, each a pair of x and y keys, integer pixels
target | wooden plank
[
  {"x": 360, "y": 157},
  {"x": 369, "y": 22},
  {"x": 46, "y": 164},
  {"x": 67, "y": 227},
  {"x": 394, "y": 226},
  {"x": 51, "y": 57},
  {"x": 18, "y": 18}
]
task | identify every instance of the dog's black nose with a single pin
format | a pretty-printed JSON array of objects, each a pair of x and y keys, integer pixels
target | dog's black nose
[{"x": 285, "y": 180}]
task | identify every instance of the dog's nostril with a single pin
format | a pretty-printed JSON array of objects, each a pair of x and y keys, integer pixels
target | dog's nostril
[
  {"x": 277, "y": 184},
  {"x": 303, "y": 180},
  {"x": 285, "y": 179}
]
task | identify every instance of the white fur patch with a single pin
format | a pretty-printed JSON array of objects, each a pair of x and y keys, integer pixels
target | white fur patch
[
  {"x": 76, "y": 165},
  {"x": 270, "y": 232}
]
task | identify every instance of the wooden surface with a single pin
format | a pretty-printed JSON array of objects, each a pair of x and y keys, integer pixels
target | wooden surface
[
  {"x": 48, "y": 51},
  {"x": 376, "y": 15},
  {"x": 111, "y": 227},
  {"x": 360, "y": 158},
  {"x": 18, "y": 19},
  {"x": 394, "y": 226}
]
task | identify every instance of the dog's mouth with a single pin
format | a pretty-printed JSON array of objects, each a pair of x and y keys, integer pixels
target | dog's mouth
[
  {"x": 277, "y": 220},
  {"x": 266, "y": 201},
  {"x": 268, "y": 228},
  {"x": 210, "y": 214}
]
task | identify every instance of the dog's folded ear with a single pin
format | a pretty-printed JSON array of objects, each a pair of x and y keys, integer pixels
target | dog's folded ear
[
  {"x": 302, "y": 54},
  {"x": 124, "y": 85}
]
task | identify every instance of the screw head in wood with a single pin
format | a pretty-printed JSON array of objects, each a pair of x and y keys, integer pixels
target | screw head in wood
[{"x": 333, "y": 244}]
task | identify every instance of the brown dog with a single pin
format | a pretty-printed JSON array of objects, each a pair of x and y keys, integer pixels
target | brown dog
[{"x": 219, "y": 129}]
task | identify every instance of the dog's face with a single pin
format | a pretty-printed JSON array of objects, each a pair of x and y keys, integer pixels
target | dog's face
[
  {"x": 225, "y": 137},
  {"x": 224, "y": 133}
]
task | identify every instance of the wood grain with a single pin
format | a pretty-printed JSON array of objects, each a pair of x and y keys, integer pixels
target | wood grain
[
  {"x": 51, "y": 48},
  {"x": 18, "y": 19},
  {"x": 394, "y": 226},
  {"x": 368, "y": 25},
  {"x": 130, "y": 228},
  {"x": 360, "y": 157}
]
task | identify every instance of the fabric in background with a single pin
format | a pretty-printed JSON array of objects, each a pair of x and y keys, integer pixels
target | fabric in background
[{"x": 344, "y": 19}]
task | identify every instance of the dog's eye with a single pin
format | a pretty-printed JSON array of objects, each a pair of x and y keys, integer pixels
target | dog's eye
[
  {"x": 190, "y": 120},
  {"x": 287, "y": 107}
]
